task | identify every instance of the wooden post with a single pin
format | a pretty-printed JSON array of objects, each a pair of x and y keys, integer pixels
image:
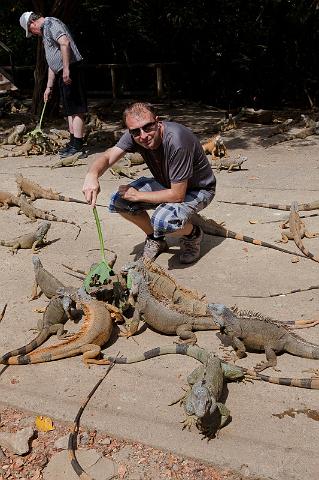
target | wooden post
[
  {"x": 114, "y": 86},
  {"x": 159, "y": 80}
]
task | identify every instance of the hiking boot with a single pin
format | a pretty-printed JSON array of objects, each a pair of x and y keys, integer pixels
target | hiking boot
[
  {"x": 153, "y": 248},
  {"x": 65, "y": 149},
  {"x": 72, "y": 150},
  {"x": 190, "y": 247}
]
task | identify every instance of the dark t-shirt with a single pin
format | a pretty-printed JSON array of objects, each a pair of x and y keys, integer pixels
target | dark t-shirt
[{"x": 180, "y": 157}]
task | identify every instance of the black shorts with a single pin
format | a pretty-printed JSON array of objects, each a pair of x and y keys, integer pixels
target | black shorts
[{"x": 73, "y": 96}]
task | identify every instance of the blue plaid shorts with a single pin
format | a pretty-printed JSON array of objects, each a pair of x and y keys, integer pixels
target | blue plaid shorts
[{"x": 167, "y": 217}]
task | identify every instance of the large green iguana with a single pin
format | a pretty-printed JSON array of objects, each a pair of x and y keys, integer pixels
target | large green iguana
[
  {"x": 210, "y": 227},
  {"x": 33, "y": 213},
  {"x": 201, "y": 354},
  {"x": 163, "y": 305},
  {"x": 31, "y": 240},
  {"x": 95, "y": 332},
  {"x": 56, "y": 314},
  {"x": 252, "y": 331},
  {"x": 206, "y": 382}
]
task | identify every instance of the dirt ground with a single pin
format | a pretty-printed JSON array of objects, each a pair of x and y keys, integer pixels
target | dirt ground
[{"x": 274, "y": 431}]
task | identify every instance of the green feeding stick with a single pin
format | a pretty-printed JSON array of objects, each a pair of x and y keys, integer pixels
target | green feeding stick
[
  {"x": 99, "y": 274},
  {"x": 38, "y": 130}
]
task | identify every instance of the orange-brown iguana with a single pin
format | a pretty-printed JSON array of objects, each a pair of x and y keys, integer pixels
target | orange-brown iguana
[
  {"x": 7, "y": 200},
  {"x": 94, "y": 333},
  {"x": 302, "y": 207},
  {"x": 297, "y": 230}
]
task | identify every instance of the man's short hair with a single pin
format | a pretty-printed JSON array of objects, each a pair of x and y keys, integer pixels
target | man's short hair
[{"x": 137, "y": 109}]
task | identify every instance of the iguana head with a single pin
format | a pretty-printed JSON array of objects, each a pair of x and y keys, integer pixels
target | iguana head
[
  {"x": 43, "y": 228},
  {"x": 199, "y": 401},
  {"x": 36, "y": 261}
]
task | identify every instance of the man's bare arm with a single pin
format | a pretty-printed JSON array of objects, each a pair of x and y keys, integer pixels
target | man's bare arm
[
  {"x": 91, "y": 186},
  {"x": 64, "y": 43}
]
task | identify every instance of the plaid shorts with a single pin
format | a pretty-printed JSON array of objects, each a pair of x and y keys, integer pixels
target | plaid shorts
[{"x": 167, "y": 217}]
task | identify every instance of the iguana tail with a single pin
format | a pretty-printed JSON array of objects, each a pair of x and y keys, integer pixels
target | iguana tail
[
  {"x": 29, "y": 347},
  {"x": 63, "y": 198},
  {"x": 210, "y": 227},
  {"x": 181, "y": 349},
  {"x": 72, "y": 444},
  {"x": 303, "y": 207},
  {"x": 295, "y": 345},
  {"x": 311, "y": 383}
]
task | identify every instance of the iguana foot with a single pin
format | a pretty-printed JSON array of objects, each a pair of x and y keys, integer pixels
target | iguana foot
[
  {"x": 313, "y": 371},
  {"x": 189, "y": 422},
  {"x": 303, "y": 324},
  {"x": 265, "y": 364}
]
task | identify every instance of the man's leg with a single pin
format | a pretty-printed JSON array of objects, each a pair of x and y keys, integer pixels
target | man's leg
[{"x": 141, "y": 220}]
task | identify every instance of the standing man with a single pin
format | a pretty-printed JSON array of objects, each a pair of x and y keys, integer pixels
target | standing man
[
  {"x": 64, "y": 62},
  {"x": 183, "y": 181}
]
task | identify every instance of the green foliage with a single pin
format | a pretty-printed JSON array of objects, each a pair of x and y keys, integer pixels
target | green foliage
[{"x": 231, "y": 53}]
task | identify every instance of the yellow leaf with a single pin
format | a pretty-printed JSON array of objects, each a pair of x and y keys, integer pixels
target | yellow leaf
[
  {"x": 253, "y": 221},
  {"x": 44, "y": 424}
]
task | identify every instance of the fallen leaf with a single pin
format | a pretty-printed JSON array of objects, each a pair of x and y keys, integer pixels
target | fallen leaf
[
  {"x": 253, "y": 178},
  {"x": 253, "y": 221},
  {"x": 122, "y": 471},
  {"x": 44, "y": 424}
]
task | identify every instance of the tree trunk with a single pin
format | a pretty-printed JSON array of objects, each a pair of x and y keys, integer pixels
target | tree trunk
[{"x": 64, "y": 10}]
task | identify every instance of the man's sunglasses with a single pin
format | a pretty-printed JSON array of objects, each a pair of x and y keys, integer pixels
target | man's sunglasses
[{"x": 147, "y": 128}]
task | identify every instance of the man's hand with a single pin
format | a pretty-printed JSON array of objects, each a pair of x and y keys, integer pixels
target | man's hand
[
  {"x": 129, "y": 193},
  {"x": 66, "y": 76},
  {"x": 91, "y": 188},
  {"x": 47, "y": 94}
]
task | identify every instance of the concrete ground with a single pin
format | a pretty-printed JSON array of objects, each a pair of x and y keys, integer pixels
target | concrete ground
[{"x": 273, "y": 432}]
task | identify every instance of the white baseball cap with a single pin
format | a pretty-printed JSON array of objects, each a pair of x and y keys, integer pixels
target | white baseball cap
[{"x": 24, "y": 20}]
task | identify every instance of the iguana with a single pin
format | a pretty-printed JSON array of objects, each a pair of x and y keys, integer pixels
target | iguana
[
  {"x": 8, "y": 200},
  {"x": 298, "y": 230},
  {"x": 303, "y": 207},
  {"x": 163, "y": 315},
  {"x": 294, "y": 227},
  {"x": 229, "y": 163},
  {"x": 33, "y": 213},
  {"x": 302, "y": 134},
  {"x": 71, "y": 161},
  {"x": 201, "y": 355},
  {"x": 215, "y": 146},
  {"x": 210, "y": 227},
  {"x": 31, "y": 240},
  {"x": 205, "y": 383},
  {"x": 56, "y": 314},
  {"x": 46, "y": 282},
  {"x": 15, "y": 136},
  {"x": 255, "y": 332},
  {"x": 95, "y": 332},
  {"x": 35, "y": 191}
]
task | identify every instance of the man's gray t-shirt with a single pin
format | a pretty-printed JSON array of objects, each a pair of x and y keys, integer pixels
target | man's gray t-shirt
[
  {"x": 53, "y": 29},
  {"x": 180, "y": 157}
]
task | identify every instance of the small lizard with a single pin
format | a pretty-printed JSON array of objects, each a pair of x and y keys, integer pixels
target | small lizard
[
  {"x": 33, "y": 213},
  {"x": 70, "y": 161},
  {"x": 297, "y": 230},
  {"x": 229, "y": 163},
  {"x": 46, "y": 282},
  {"x": 94, "y": 333},
  {"x": 55, "y": 316},
  {"x": 35, "y": 191},
  {"x": 303, "y": 207},
  {"x": 8, "y": 200},
  {"x": 31, "y": 240},
  {"x": 201, "y": 354},
  {"x": 210, "y": 227},
  {"x": 255, "y": 332}
]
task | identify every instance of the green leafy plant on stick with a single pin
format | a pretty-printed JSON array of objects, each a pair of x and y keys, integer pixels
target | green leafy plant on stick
[{"x": 100, "y": 273}]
